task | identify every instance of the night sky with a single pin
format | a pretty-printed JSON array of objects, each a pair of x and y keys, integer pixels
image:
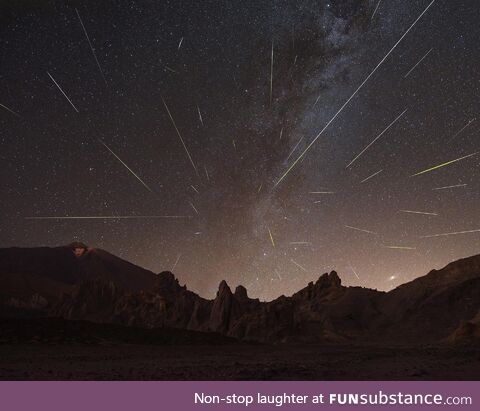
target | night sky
[{"x": 109, "y": 147}]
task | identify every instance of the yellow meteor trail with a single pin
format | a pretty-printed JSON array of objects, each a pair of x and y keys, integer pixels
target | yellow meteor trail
[
  {"x": 477, "y": 230},
  {"x": 271, "y": 237},
  {"x": 443, "y": 165},
  {"x": 127, "y": 167},
  {"x": 417, "y": 212},
  {"x": 351, "y": 97},
  {"x": 181, "y": 138},
  {"x": 361, "y": 229}
]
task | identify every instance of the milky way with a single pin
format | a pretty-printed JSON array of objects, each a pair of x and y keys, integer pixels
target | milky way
[{"x": 209, "y": 104}]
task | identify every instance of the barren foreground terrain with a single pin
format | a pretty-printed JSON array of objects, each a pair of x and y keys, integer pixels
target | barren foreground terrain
[{"x": 41, "y": 361}]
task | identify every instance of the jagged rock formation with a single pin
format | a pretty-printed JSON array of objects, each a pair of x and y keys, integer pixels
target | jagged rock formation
[{"x": 96, "y": 286}]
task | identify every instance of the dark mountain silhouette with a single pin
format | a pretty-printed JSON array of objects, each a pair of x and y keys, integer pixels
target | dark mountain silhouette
[{"x": 79, "y": 283}]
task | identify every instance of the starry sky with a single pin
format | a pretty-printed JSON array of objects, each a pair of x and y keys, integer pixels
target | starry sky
[{"x": 229, "y": 128}]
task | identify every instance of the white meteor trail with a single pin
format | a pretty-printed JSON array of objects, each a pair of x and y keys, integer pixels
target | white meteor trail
[
  {"x": 477, "y": 230},
  {"x": 354, "y": 272},
  {"x": 376, "y": 8},
  {"x": 180, "y": 43},
  {"x": 399, "y": 247},
  {"x": 271, "y": 75},
  {"x": 194, "y": 188},
  {"x": 70, "y": 101},
  {"x": 369, "y": 177},
  {"x": 417, "y": 212},
  {"x": 298, "y": 265},
  {"x": 376, "y": 138},
  {"x": 127, "y": 167},
  {"x": 107, "y": 217},
  {"x": 294, "y": 148},
  {"x": 322, "y": 192},
  {"x": 361, "y": 229},
  {"x": 194, "y": 208},
  {"x": 200, "y": 115},
  {"x": 353, "y": 95},
  {"x": 463, "y": 128},
  {"x": 181, "y": 138},
  {"x": 10, "y": 110},
  {"x": 454, "y": 186},
  {"x": 91, "y": 47},
  {"x": 419, "y": 61},
  {"x": 176, "y": 262}
]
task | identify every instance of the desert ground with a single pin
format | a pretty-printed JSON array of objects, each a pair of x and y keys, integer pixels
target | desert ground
[{"x": 44, "y": 361}]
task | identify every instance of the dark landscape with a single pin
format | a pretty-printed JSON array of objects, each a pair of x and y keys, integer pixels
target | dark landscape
[{"x": 81, "y": 313}]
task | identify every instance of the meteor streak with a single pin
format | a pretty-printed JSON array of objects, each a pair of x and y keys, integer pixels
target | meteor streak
[
  {"x": 351, "y": 97},
  {"x": 294, "y": 148},
  {"x": 463, "y": 128},
  {"x": 398, "y": 247},
  {"x": 360, "y": 229},
  {"x": 376, "y": 8},
  {"x": 91, "y": 47},
  {"x": 200, "y": 115},
  {"x": 322, "y": 192},
  {"x": 194, "y": 208},
  {"x": 176, "y": 262},
  {"x": 128, "y": 168},
  {"x": 10, "y": 110},
  {"x": 300, "y": 243},
  {"x": 477, "y": 230},
  {"x": 70, "y": 101},
  {"x": 106, "y": 217},
  {"x": 369, "y": 177},
  {"x": 298, "y": 265},
  {"x": 180, "y": 44},
  {"x": 354, "y": 272},
  {"x": 181, "y": 138},
  {"x": 376, "y": 138},
  {"x": 271, "y": 237},
  {"x": 271, "y": 76},
  {"x": 454, "y": 186},
  {"x": 419, "y": 61},
  {"x": 443, "y": 164},
  {"x": 194, "y": 189},
  {"x": 417, "y": 212}
]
